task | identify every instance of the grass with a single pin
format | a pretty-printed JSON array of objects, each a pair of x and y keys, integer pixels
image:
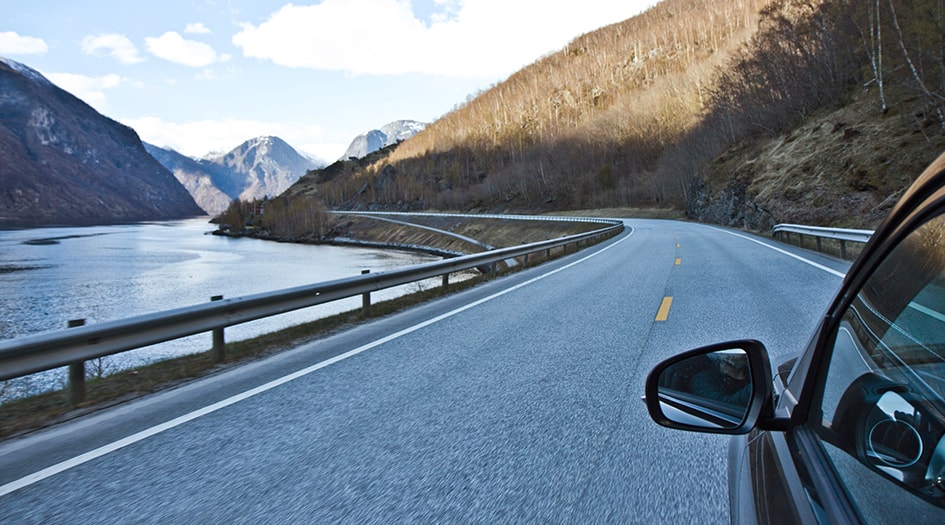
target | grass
[{"x": 21, "y": 416}]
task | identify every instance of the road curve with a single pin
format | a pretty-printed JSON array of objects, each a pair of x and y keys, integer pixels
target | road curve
[{"x": 517, "y": 401}]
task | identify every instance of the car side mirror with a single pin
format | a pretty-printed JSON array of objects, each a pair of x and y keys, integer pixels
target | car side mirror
[{"x": 720, "y": 388}]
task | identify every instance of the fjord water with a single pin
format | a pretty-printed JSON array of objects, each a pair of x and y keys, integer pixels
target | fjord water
[{"x": 49, "y": 276}]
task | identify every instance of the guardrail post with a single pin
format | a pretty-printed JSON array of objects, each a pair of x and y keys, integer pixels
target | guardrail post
[
  {"x": 366, "y": 298},
  {"x": 446, "y": 280},
  {"x": 76, "y": 373},
  {"x": 843, "y": 249},
  {"x": 819, "y": 249},
  {"x": 218, "y": 350}
]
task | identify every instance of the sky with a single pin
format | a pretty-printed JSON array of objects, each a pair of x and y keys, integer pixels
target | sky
[{"x": 203, "y": 76}]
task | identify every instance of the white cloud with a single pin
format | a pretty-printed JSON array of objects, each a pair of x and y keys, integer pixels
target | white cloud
[
  {"x": 198, "y": 138},
  {"x": 117, "y": 46},
  {"x": 197, "y": 29},
  {"x": 174, "y": 48},
  {"x": 479, "y": 38},
  {"x": 14, "y": 44},
  {"x": 90, "y": 89}
]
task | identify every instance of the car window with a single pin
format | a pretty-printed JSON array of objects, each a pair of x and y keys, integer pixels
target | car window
[{"x": 882, "y": 414}]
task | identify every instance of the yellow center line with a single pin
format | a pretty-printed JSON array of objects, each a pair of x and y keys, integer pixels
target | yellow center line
[
  {"x": 678, "y": 261},
  {"x": 663, "y": 313}
]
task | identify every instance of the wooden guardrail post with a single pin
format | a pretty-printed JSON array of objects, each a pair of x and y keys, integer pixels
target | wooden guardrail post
[
  {"x": 365, "y": 298},
  {"x": 76, "y": 373},
  {"x": 218, "y": 350}
]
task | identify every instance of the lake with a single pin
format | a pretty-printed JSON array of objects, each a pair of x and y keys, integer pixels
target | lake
[{"x": 49, "y": 276}]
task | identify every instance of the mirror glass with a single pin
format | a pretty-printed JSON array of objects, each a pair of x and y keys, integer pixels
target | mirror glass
[{"x": 710, "y": 390}]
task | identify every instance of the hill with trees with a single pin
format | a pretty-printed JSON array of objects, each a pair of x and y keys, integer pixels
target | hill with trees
[{"x": 743, "y": 112}]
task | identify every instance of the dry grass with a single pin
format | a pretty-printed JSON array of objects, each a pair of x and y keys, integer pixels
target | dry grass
[{"x": 842, "y": 168}]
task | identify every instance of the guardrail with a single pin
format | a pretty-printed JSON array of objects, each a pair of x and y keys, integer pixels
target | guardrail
[
  {"x": 783, "y": 232},
  {"x": 73, "y": 346}
]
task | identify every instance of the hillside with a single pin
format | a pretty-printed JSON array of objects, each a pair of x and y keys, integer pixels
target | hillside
[
  {"x": 827, "y": 116},
  {"x": 741, "y": 112},
  {"x": 63, "y": 162}
]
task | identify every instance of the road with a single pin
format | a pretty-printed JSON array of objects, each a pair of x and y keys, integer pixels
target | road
[{"x": 517, "y": 401}]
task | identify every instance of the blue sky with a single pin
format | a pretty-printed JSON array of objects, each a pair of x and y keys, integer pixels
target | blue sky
[{"x": 206, "y": 75}]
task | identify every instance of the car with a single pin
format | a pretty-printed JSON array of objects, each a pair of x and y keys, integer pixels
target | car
[{"x": 851, "y": 430}]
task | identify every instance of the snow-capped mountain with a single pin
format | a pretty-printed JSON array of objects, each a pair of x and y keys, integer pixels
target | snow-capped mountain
[
  {"x": 256, "y": 168},
  {"x": 373, "y": 140},
  {"x": 63, "y": 162}
]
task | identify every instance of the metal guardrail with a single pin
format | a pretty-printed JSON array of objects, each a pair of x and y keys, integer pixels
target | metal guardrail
[
  {"x": 35, "y": 353},
  {"x": 783, "y": 233}
]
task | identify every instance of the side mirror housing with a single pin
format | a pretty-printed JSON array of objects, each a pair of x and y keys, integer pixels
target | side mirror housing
[{"x": 722, "y": 388}]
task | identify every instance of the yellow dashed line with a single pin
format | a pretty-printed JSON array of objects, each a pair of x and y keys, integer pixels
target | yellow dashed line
[
  {"x": 663, "y": 313},
  {"x": 678, "y": 261}
]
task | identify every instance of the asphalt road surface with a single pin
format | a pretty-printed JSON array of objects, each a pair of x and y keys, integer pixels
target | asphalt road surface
[{"x": 517, "y": 401}]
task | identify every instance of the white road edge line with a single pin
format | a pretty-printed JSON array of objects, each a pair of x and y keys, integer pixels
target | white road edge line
[
  {"x": 58, "y": 468},
  {"x": 785, "y": 252}
]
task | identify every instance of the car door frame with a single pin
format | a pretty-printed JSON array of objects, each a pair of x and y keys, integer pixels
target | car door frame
[{"x": 799, "y": 401}]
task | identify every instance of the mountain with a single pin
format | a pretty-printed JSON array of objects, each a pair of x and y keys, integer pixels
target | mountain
[
  {"x": 256, "y": 168},
  {"x": 376, "y": 139},
  {"x": 63, "y": 162},
  {"x": 194, "y": 177}
]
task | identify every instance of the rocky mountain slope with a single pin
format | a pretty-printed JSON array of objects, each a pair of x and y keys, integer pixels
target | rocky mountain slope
[
  {"x": 387, "y": 135},
  {"x": 257, "y": 168},
  {"x": 63, "y": 162},
  {"x": 194, "y": 177}
]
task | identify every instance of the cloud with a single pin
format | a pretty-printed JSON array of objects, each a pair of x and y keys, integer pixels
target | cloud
[
  {"x": 90, "y": 89},
  {"x": 479, "y": 38},
  {"x": 198, "y": 138},
  {"x": 117, "y": 46},
  {"x": 174, "y": 48},
  {"x": 197, "y": 29},
  {"x": 14, "y": 44}
]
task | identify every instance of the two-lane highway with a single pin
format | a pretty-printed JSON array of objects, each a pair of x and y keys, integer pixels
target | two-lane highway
[{"x": 518, "y": 401}]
